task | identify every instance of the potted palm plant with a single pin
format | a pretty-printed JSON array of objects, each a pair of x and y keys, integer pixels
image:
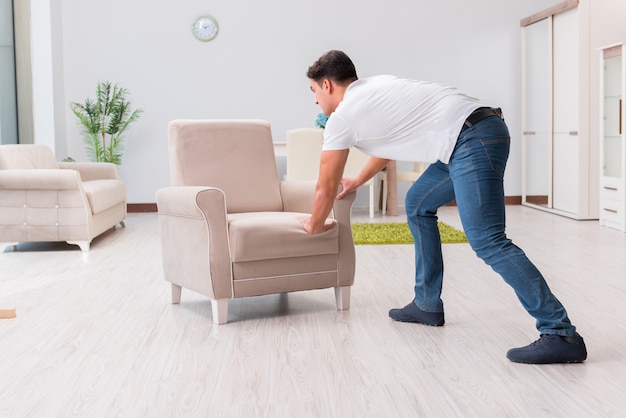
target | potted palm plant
[{"x": 104, "y": 121}]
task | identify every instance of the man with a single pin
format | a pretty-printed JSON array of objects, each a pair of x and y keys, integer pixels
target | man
[{"x": 467, "y": 145}]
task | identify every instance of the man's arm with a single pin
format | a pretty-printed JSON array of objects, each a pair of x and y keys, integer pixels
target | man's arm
[
  {"x": 373, "y": 167},
  {"x": 332, "y": 164}
]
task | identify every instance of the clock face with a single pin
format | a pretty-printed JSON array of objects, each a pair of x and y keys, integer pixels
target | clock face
[{"x": 205, "y": 28}]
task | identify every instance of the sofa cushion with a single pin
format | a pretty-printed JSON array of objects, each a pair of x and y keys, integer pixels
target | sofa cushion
[
  {"x": 104, "y": 194},
  {"x": 271, "y": 235}
]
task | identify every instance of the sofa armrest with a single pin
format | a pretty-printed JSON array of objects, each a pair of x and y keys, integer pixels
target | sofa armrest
[
  {"x": 39, "y": 179},
  {"x": 92, "y": 171},
  {"x": 194, "y": 236}
]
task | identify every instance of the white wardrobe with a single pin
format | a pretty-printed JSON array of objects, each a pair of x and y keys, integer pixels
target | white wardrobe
[{"x": 558, "y": 165}]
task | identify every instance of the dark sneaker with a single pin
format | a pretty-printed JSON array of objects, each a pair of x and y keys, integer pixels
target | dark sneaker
[
  {"x": 550, "y": 349},
  {"x": 411, "y": 313}
]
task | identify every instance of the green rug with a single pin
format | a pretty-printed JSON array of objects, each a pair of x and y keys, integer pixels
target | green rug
[{"x": 399, "y": 233}]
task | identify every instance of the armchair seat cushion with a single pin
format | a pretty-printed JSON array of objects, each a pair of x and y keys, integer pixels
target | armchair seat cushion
[
  {"x": 104, "y": 194},
  {"x": 273, "y": 235}
]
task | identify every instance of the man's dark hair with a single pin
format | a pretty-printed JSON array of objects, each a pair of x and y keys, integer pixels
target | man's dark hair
[{"x": 333, "y": 65}]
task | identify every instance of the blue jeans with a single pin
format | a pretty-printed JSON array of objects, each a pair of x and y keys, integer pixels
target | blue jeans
[{"x": 474, "y": 177}]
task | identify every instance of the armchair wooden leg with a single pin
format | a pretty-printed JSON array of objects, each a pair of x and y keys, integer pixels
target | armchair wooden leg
[
  {"x": 176, "y": 291},
  {"x": 342, "y": 297},
  {"x": 219, "y": 307}
]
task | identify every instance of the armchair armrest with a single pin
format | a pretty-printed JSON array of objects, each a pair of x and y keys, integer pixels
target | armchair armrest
[
  {"x": 39, "y": 179},
  {"x": 194, "y": 227},
  {"x": 342, "y": 210},
  {"x": 92, "y": 171},
  {"x": 298, "y": 197},
  {"x": 181, "y": 201}
]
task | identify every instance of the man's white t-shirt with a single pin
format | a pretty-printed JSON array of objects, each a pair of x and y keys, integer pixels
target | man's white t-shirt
[{"x": 399, "y": 119}]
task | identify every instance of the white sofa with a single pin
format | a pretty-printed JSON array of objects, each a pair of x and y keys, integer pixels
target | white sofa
[{"x": 45, "y": 200}]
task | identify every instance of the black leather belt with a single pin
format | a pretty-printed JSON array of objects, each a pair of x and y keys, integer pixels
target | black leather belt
[{"x": 480, "y": 114}]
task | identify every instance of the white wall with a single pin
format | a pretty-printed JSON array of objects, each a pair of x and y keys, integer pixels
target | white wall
[{"x": 256, "y": 67}]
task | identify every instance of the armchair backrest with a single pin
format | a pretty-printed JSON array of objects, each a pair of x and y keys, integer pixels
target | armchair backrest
[
  {"x": 236, "y": 156},
  {"x": 26, "y": 156}
]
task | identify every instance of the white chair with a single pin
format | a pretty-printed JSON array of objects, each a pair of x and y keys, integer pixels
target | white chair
[
  {"x": 412, "y": 176},
  {"x": 354, "y": 165},
  {"x": 304, "y": 149}
]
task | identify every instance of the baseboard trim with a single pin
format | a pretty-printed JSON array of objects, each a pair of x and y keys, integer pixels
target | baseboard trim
[
  {"x": 152, "y": 207},
  {"x": 513, "y": 200},
  {"x": 141, "y": 207}
]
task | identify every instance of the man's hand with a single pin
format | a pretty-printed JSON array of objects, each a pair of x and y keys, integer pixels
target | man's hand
[
  {"x": 348, "y": 185},
  {"x": 332, "y": 164},
  {"x": 372, "y": 167},
  {"x": 306, "y": 223}
]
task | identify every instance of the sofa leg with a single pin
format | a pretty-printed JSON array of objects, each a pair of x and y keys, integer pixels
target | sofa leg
[
  {"x": 84, "y": 245},
  {"x": 123, "y": 224},
  {"x": 219, "y": 307},
  {"x": 176, "y": 291},
  {"x": 342, "y": 297}
]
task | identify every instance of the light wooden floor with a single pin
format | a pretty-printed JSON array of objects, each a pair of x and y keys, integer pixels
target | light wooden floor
[{"x": 96, "y": 336}]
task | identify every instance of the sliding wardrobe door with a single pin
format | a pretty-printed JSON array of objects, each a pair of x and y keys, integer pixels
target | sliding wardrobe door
[
  {"x": 565, "y": 58},
  {"x": 537, "y": 140}
]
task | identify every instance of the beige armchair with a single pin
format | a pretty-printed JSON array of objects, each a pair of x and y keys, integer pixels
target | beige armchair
[
  {"x": 42, "y": 200},
  {"x": 229, "y": 227}
]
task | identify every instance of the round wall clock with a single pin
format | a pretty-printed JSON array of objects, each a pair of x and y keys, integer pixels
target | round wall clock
[{"x": 205, "y": 28}]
